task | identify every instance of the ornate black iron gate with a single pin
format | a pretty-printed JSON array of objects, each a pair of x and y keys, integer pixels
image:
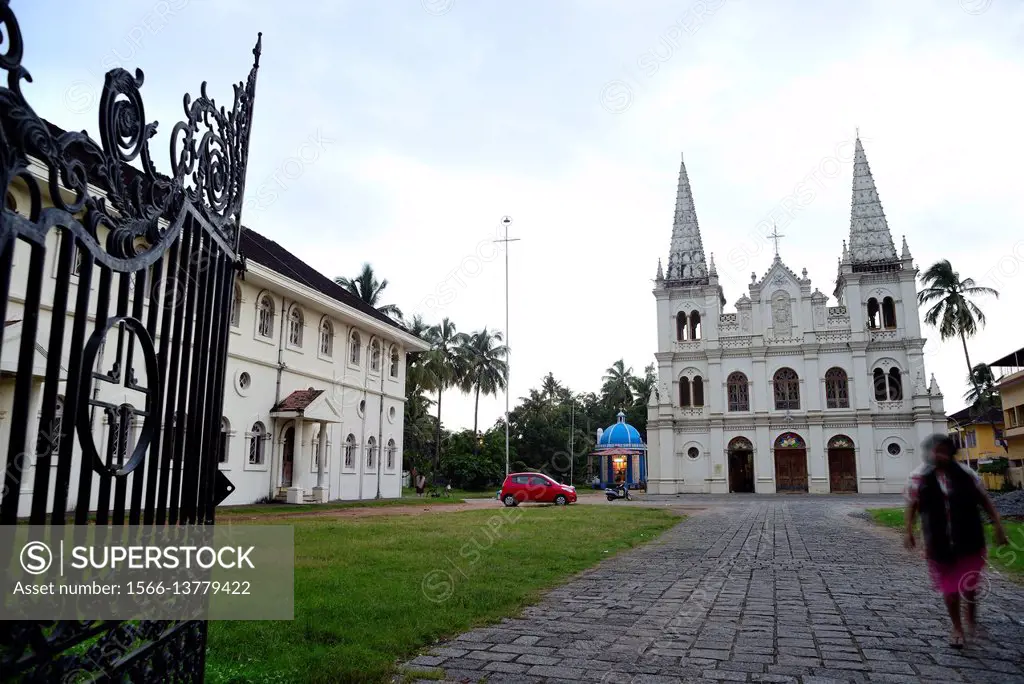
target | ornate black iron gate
[{"x": 115, "y": 293}]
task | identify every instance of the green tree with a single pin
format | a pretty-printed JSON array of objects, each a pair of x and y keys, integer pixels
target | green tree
[
  {"x": 550, "y": 388},
  {"x": 482, "y": 358},
  {"x": 952, "y": 311},
  {"x": 444, "y": 366},
  {"x": 983, "y": 396},
  {"x": 617, "y": 388},
  {"x": 369, "y": 289}
]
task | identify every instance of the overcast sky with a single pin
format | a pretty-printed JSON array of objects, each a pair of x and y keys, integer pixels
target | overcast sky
[{"x": 426, "y": 121}]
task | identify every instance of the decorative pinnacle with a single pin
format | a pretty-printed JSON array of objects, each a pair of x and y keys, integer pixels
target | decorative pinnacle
[
  {"x": 661, "y": 274},
  {"x": 906, "y": 249},
  {"x": 713, "y": 270},
  {"x": 258, "y": 49}
]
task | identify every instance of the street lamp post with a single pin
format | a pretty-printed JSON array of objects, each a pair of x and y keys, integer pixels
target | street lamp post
[{"x": 507, "y": 221}]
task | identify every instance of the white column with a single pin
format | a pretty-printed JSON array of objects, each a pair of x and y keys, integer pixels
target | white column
[{"x": 320, "y": 492}]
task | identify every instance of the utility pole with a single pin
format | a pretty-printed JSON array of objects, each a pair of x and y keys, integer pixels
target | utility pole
[
  {"x": 572, "y": 436},
  {"x": 507, "y": 221}
]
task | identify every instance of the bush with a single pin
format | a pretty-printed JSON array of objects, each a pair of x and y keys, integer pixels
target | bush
[{"x": 998, "y": 466}]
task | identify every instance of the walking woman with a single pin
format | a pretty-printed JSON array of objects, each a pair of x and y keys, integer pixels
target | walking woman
[{"x": 949, "y": 497}]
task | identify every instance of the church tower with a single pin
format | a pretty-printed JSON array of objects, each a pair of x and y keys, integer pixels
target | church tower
[{"x": 689, "y": 305}]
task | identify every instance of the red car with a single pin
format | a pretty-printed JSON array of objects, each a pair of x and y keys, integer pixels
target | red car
[{"x": 520, "y": 487}]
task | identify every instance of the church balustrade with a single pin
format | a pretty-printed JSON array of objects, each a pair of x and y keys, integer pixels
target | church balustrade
[
  {"x": 890, "y": 406},
  {"x": 884, "y": 335},
  {"x": 687, "y": 345},
  {"x": 692, "y": 410}
]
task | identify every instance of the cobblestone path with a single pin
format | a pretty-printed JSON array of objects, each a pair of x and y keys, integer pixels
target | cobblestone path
[{"x": 765, "y": 589}]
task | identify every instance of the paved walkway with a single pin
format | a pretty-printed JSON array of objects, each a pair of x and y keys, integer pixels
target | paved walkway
[{"x": 759, "y": 589}]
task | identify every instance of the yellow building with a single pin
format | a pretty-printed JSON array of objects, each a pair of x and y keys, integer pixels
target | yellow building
[
  {"x": 980, "y": 436},
  {"x": 1011, "y": 392}
]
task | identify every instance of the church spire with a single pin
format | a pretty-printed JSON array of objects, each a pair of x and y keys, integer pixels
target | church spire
[
  {"x": 870, "y": 239},
  {"x": 686, "y": 255}
]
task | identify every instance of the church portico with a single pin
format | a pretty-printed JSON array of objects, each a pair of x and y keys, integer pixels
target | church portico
[{"x": 836, "y": 384}]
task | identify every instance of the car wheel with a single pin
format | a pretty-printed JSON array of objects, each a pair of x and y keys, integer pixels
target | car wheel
[
  {"x": 560, "y": 500},
  {"x": 510, "y": 500}
]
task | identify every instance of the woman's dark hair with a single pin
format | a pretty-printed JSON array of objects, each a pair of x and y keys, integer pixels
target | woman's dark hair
[{"x": 939, "y": 442}]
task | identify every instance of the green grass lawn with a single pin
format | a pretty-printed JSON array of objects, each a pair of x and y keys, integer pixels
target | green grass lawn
[
  {"x": 1009, "y": 557},
  {"x": 371, "y": 591}
]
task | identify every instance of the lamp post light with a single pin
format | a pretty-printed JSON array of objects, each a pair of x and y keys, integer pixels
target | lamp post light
[{"x": 507, "y": 221}]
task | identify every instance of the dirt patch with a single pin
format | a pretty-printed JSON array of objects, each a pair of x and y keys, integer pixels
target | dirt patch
[{"x": 367, "y": 512}]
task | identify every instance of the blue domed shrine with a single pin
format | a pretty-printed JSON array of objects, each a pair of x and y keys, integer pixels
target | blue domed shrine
[{"x": 622, "y": 454}]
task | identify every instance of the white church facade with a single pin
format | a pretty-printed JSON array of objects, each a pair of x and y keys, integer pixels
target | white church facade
[{"x": 788, "y": 393}]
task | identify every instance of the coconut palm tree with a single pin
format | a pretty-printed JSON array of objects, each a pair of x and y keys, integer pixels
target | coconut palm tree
[
  {"x": 617, "y": 385},
  {"x": 983, "y": 396},
  {"x": 483, "y": 359},
  {"x": 550, "y": 388},
  {"x": 444, "y": 366},
  {"x": 369, "y": 289},
  {"x": 643, "y": 386},
  {"x": 952, "y": 311},
  {"x": 417, "y": 377}
]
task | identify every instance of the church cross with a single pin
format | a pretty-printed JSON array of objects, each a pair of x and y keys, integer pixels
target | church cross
[{"x": 775, "y": 235}]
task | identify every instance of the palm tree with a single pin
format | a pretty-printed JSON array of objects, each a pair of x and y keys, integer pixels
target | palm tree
[
  {"x": 952, "y": 312},
  {"x": 367, "y": 288},
  {"x": 485, "y": 368},
  {"x": 444, "y": 366},
  {"x": 983, "y": 392},
  {"x": 983, "y": 396},
  {"x": 616, "y": 389},
  {"x": 550, "y": 387},
  {"x": 643, "y": 387},
  {"x": 417, "y": 376}
]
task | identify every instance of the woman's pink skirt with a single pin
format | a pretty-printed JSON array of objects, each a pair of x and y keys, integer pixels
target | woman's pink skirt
[{"x": 963, "y": 575}]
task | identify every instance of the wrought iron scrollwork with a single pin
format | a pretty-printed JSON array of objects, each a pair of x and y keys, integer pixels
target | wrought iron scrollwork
[
  {"x": 150, "y": 259},
  {"x": 208, "y": 153}
]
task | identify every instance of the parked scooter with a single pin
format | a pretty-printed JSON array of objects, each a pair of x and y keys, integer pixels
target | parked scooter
[{"x": 619, "y": 491}]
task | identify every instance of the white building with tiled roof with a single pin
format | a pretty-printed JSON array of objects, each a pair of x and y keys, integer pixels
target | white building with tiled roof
[
  {"x": 787, "y": 393},
  {"x": 306, "y": 360}
]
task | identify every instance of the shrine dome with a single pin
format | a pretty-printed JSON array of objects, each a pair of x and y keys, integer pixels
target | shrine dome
[{"x": 621, "y": 435}]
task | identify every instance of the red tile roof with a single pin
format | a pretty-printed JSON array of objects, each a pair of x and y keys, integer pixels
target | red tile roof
[{"x": 297, "y": 400}]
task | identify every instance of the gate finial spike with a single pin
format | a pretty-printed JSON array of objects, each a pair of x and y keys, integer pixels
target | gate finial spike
[{"x": 257, "y": 50}]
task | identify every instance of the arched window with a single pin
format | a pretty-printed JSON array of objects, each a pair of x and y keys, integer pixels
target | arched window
[
  {"x": 895, "y": 385},
  {"x": 874, "y": 317},
  {"x": 371, "y": 452},
  {"x": 392, "y": 448},
  {"x": 225, "y": 433},
  {"x": 355, "y": 343},
  {"x": 350, "y": 451},
  {"x": 739, "y": 394},
  {"x": 694, "y": 325},
  {"x": 295, "y": 327},
  {"x": 684, "y": 391},
  {"x": 394, "y": 361},
  {"x": 837, "y": 389},
  {"x": 888, "y": 313},
  {"x": 375, "y": 355},
  {"x": 326, "y": 338},
  {"x": 681, "y": 326},
  {"x": 236, "y": 306},
  {"x": 698, "y": 391},
  {"x": 265, "y": 317},
  {"x": 879, "y": 381},
  {"x": 787, "y": 390},
  {"x": 257, "y": 437}
]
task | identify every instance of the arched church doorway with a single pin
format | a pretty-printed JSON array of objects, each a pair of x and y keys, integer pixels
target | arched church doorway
[
  {"x": 790, "y": 463},
  {"x": 741, "y": 466},
  {"x": 288, "y": 457},
  {"x": 842, "y": 465}
]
